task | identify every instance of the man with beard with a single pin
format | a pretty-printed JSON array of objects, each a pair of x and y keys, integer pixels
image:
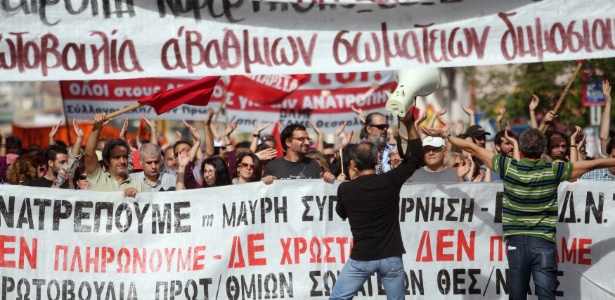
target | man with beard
[
  {"x": 370, "y": 202},
  {"x": 152, "y": 179},
  {"x": 56, "y": 157},
  {"x": 294, "y": 164},
  {"x": 558, "y": 146},
  {"x": 115, "y": 158},
  {"x": 502, "y": 146},
  {"x": 376, "y": 127}
]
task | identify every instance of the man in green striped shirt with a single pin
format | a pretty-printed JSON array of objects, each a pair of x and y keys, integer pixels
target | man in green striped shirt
[{"x": 530, "y": 209}]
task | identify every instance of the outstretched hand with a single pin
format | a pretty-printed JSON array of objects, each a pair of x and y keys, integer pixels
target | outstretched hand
[{"x": 534, "y": 102}]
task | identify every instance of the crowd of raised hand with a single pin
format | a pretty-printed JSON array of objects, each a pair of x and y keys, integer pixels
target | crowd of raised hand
[{"x": 216, "y": 160}]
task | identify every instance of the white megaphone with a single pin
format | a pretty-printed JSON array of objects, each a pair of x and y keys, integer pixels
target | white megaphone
[{"x": 411, "y": 83}]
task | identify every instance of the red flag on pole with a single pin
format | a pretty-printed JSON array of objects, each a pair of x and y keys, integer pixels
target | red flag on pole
[
  {"x": 278, "y": 140},
  {"x": 266, "y": 89},
  {"x": 194, "y": 93}
]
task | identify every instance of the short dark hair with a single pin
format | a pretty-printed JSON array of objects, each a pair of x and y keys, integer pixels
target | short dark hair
[
  {"x": 179, "y": 143},
  {"x": 52, "y": 151},
  {"x": 257, "y": 174},
  {"x": 532, "y": 143},
  {"x": 288, "y": 131},
  {"x": 365, "y": 156},
  {"x": 222, "y": 176},
  {"x": 14, "y": 141},
  {"x": 500, "y": 135},
  {"x": 106, "y": 151}
]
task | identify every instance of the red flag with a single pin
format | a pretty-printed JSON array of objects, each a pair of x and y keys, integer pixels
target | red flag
[
  {"x": 278, "y": 140},
  {"x": 266, "y": 89},
  {"x": 194, "y": 93}
]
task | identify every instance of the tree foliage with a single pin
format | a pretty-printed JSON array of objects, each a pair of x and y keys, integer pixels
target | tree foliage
[{"x": 547, "y": 80}]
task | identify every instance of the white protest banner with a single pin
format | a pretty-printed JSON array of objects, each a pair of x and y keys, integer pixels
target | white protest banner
[
  {"x": 278, "y": 242},
  {"x": 71, "y": 40},
  {"x": 325, "y": 99},
  {"x": 83, "y": 99}
]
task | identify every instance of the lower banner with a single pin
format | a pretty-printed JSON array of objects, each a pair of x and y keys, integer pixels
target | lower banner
[{"x": 282, "y": 241}]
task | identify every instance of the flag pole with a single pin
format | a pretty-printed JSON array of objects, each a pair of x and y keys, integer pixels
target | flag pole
[
  {"x": 120, "y": 112},
  {"x": 563, "y": 95}
]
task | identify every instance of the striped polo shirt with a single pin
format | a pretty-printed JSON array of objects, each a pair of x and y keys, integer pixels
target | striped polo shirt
[{"x": 530, "y": 195}]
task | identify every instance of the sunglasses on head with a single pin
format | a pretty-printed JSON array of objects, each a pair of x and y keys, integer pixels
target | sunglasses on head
[
  {"x": 381, "y": 126},
  {"x": 247, "y": 166}
]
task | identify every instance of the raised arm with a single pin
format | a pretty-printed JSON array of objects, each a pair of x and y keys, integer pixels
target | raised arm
[
  {"x": 516, "y": 153},
  {"x": 581, "y": 167},
  {"x": 153, "y": 129},
  {"x": 481, "y": 153},
  {"x": 500, "y": 118},
  {"x": 124, "y": 130},
  {"x": 76, "y": 148},
  {"x": 183, "y": 159},
  {"x": 320, "y": 143},
  {"x": 53, "y": 132},
  {"x": 227, "y": 135},
  {"x": 574, "y": 149},
  {"x": 359, "y": 113},
  {"x": 91, "y": 160},
  {"x": 605, "y": 120},
  {"x": 209, "y": 135},
  {"x": 256, "y": 134},
  {"x": 533, "y": 104},
  {"x": 470, "y": 113},
  {"x": 196, "y": 141},
  {"x": 432, "y": 122}
]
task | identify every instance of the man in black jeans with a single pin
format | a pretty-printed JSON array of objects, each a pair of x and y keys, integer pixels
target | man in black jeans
[{"x": 371, "y": 203}]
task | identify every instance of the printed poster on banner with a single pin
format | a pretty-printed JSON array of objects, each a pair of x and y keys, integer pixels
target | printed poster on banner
[
  {"x": 95, "y": 40},
  {"x": 325, "y": 99},
  {"x": 282, "y": 241}
]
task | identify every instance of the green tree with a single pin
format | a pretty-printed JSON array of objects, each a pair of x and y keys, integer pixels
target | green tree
[{"x": 545, "y": 79}]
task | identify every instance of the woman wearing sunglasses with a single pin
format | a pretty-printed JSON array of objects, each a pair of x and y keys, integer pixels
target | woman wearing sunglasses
[
  {"x": 248, "y": 168},
  {"x": 80, "y": 180}
]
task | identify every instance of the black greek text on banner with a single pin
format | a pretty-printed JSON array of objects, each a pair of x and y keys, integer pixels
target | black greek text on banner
[{"x": 280, "y": 241}]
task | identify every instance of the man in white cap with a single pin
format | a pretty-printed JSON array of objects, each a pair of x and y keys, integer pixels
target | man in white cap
[{"x": 435, "y": 171}]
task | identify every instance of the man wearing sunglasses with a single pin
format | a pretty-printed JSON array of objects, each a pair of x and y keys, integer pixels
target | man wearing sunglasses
[
  {"x": 295, "y": 164},
  {"x": 435, "y": 171},
  {"x": 376, "y": 127}
]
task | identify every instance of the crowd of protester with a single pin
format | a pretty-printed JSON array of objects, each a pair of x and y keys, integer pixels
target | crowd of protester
[{"x": 215, "y": 160}]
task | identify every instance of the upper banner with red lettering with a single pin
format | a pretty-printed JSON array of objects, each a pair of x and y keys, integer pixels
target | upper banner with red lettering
[
  {"x": 282, "y": 241},
  {"x": 80, "y": 40},
  {"x": 325, "y": 99}
]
